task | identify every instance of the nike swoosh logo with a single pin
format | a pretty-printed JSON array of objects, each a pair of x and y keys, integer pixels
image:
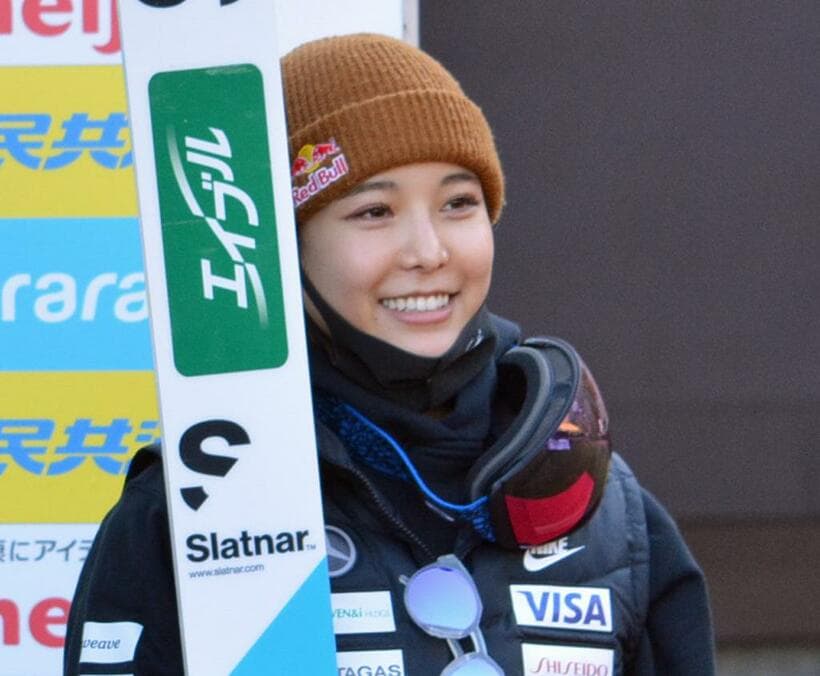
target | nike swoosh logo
[{"x": 533, "y": 562}]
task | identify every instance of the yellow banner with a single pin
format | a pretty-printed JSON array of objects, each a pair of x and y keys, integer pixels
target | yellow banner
[
  {"x": 65, "y": 145},
  {"x": 66, "y": 439}
]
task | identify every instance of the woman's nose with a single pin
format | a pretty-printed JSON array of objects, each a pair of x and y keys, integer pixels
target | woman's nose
[{"x": 424, "y": 247}]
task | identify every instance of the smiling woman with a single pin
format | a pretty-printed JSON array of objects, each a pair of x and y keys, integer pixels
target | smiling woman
[
  {"x": 405, "y": 257},
  {"x": 454, "y": 454}
]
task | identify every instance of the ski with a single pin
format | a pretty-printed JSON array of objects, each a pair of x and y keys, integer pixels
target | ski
[{"x": 239, "y": 452}]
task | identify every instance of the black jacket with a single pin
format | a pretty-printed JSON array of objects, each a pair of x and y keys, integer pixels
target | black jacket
[
  {"x": 623, "y": 589},
  {"x": 128, "y": 578}
]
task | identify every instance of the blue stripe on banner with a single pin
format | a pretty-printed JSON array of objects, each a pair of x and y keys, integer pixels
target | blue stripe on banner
[
  {"x": 72, "y": 295},
  {"x": 300, "y": 623}
]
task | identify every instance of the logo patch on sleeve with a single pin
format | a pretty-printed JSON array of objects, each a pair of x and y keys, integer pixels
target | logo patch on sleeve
[
  {"x": 109, "y": 642},
  {"x": 370, "y": 663},
  {"x": 543, "y": 660},
  {"x": 544, "y": 556},
  {"x": 362, "y": 612},
  {"x": 578, "y": 608}
]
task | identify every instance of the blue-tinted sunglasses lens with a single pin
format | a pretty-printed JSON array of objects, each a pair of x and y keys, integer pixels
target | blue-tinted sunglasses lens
[
  {"x": 473, "y": 664},
  {"x": 443, "y": 601}
]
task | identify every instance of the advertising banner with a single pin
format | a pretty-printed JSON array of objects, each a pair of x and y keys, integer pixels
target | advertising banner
[
  {"x": 69, "y": 32},
  {"x": 72, "y": 296},
  {"x": 65, "y": 147},
  {"x": 44, "y": 562},
  {"x": 239, "y": 454},
  {"x": 77, "y": 385},
  {"x": 66, "y": 439}
]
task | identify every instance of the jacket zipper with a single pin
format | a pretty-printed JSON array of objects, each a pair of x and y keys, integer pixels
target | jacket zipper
[{"x": 387, "y": 512}]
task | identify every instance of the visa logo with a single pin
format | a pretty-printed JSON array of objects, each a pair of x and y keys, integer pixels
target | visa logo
[{"x": 578, "y": 608}]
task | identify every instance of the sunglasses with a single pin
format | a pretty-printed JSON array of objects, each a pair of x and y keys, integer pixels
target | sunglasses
[{"x": 443, "y": 601}]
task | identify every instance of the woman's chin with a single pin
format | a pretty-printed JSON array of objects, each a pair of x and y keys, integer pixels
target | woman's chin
[
  {"x": 424, "y": 334},
  {"x": 424, "y": 346}
]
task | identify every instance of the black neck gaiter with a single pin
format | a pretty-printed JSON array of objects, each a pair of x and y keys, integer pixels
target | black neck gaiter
[{"x": 416, "y": 382}]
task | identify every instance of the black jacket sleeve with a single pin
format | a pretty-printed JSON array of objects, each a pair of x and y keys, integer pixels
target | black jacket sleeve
[
  {"x": 127, "y": 586},
  {"x": 678, "y": 637}
]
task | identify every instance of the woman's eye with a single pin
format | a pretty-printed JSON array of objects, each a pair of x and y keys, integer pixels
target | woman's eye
[
  {"x": 461, "y": 203},
  {"x": 371, "y": 213}
]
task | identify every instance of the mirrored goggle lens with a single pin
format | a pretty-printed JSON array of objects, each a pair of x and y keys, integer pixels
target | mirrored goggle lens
[
  {"x": 473, "y": 664},
  {"x": 443, "y": 601},
  {"x": 541, "y": 504}
]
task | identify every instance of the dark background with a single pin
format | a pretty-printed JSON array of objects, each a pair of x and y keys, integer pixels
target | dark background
[{"x": 663, "y": 199}]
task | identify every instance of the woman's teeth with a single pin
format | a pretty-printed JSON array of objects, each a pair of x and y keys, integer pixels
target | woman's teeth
[{"x": 417, "y": 303}]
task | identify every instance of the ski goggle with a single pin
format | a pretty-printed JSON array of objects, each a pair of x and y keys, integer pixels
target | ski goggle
[
  {"x": 546, "y": 473},
  {"x": 443, "y": 601}
]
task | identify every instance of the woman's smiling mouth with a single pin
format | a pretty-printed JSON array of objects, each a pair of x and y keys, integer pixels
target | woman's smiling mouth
[{"x": 417, "y": 303}]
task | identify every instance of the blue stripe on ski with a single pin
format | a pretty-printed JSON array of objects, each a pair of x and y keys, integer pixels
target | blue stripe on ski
[{"x": 305, "y": 621}]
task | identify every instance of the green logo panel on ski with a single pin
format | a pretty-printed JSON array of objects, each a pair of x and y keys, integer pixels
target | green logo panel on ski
[{"x": 218, "y": 220}]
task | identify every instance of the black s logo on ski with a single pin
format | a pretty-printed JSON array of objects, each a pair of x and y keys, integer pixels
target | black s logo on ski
[{"x": 196, "y": 459}]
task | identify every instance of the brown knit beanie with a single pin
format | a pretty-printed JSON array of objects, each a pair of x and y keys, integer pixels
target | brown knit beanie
[{"x": 360, "y": 104}]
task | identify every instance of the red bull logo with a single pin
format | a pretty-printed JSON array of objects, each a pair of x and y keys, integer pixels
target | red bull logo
[
  {"x": 316, "y": 166},
  {"x": 311, "y": 157}
]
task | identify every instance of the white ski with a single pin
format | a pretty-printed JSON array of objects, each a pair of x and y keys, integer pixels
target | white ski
[{"x": 239, "y": 453}]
